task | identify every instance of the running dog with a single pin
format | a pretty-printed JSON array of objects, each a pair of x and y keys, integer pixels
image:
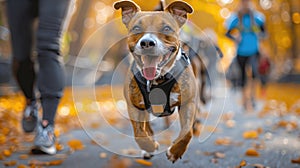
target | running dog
[{"x": 161, "y": 76}]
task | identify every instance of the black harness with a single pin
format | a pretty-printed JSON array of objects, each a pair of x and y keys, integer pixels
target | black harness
[{"x": 160, "y": 94}]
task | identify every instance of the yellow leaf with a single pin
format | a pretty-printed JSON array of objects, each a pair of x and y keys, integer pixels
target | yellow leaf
[
  {"x": 23, "y": 157},
  {"x": 243, "y": 163},
  {"x": 6, "y": 153},
  {"x": 59, "y": 146},
  {"x": 252, "y": 134},
  {"x": 34, "y": 163},
  {"x": 10, "y": 163},
  {"x": 75, "y": 144},
  {"x": 22, "y": 166},
  {"x": 252, "y": 152},
  {"x": 143, "y": 162},
  {"x": 55, "y": 162},
  {"x": 2, "y": 139},
  {"x": 5, "y": 131},
  {"x": 56, "y": 132}
]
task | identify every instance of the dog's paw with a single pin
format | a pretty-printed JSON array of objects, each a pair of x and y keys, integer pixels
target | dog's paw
[
  {"x": 172, "y": 157},
  {"x": 146, "y": 155}
]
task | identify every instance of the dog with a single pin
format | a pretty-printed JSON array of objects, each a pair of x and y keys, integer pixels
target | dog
[{"x": 161, "y": 77}]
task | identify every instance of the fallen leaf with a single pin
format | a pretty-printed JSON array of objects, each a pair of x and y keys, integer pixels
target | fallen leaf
[
  {"x": 23, "y": 156},
  {"x": 116, "y": 162},
  {"x": 55, "y": 162},
  {"x": 242, "y": 164},
  {"x": 10, "y": 163},
  {"x": 252, "y": 134},
  {"x": 143, "y": 162},
  {"x": 230, "y": 123},
  {"x": 59, "y": 146},
  {"x": 1, "y": 157},
  {"x": 95, "y": 125},
  {"x": 223, "y": 141},
  {"x": 259, "y": 130},
  {"x": 252, "y": 152},
  {"x": 75, "y": 144},
  {"x": 207, "y": 153},
  {"x": 227, "y": 116},
  {"x": 57, "y": 132},
  {"x": 296, "y": 161},
  {"x": 12, "y": 148},
  {"x": 5, "y": 131},
  {"x": 220, "y": 155},
  {"x": 2, "y": 139},
  {"x": 6, "y": 153},
  {"x": 34, "y": 163},
  {"x": 22, "y": 166},
  {"x": 102, "y": 155}
]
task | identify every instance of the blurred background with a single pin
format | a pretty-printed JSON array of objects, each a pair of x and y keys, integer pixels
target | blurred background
[
  {"x": 281, "y": 44},
  {"x": 82, "y": 43}
]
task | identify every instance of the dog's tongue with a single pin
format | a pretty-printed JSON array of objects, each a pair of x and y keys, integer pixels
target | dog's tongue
[{"x": 149, "y": 69}]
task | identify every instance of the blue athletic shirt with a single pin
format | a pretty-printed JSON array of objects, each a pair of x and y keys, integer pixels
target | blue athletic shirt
[{"x": 249, "y": 37}]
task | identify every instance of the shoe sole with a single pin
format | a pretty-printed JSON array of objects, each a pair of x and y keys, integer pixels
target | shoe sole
[{"x": 44, "y": 150}]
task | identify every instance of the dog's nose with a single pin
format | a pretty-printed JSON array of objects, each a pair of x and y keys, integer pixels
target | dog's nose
[{"x": 147, "y": 43}]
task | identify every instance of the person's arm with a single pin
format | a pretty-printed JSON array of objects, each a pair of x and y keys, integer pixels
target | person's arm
[
  {"x": 228, "y": 34},
  {"x": 231, "y": 24},
  {"x": 260, "y": 20}
]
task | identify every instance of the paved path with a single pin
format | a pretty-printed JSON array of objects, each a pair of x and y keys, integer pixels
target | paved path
[{"x": 223, "y": 147}]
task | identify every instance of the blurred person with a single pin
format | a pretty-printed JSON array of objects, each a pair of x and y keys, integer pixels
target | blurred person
[
  {"x": 264, "y": 68},
  {"x": 22, "y": 16},
  {"x": 249, "y": 25}
]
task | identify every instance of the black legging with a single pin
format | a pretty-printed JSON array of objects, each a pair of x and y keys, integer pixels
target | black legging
[
  {"x": 50, "y": 76},
  {"x": 245, "y": 61}
]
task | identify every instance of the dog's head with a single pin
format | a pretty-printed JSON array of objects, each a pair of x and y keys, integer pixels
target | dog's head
[{"x": 154, "y": 36}]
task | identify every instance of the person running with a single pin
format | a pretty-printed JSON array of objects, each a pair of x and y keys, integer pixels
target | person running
[
  {"x": 50, "y": 16},
  {"x": 249, "y": 24}
]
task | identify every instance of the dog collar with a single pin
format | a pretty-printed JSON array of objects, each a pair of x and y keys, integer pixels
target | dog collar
[{"x": 162, "y": 89}]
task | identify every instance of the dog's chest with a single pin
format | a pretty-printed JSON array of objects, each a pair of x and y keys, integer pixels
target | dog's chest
[{"x": 137, "y": 99}]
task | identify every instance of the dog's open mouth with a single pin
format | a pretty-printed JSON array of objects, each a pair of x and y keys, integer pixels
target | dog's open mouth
[{"x": 153, "y": 64}]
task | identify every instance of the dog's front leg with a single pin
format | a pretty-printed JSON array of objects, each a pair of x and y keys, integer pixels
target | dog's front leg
[
  {"x": 142, "y": 130},
  {"x": 186, "y": 117}
]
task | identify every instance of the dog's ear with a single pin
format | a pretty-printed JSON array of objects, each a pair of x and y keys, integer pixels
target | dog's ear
[
  {"x": 179, "y": 10},
  {"x": 129, "y": 9}
]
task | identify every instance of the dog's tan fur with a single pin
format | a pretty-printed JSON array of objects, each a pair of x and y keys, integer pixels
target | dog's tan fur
[{"x": 186, "y": 87}]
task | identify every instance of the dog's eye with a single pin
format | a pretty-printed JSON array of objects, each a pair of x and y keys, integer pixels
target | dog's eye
[
  {"x": 167, "y": 29},
  {"x": 136, "y": 29}
]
